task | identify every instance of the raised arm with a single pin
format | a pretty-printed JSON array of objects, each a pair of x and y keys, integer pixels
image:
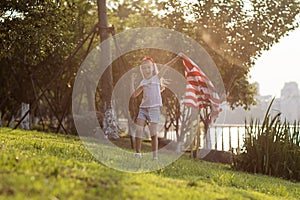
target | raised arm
[{"x": 171, "y": 62}]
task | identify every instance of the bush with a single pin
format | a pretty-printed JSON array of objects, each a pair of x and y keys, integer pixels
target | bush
[{"x": 271, "y": 148}]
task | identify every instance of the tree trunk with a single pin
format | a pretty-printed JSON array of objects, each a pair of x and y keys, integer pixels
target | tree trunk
[
  {"x": 105, "y": 51},
  {"x": 12, "y": 122},
  {"x": 26, "y": 121},
  {"x": 109, "y": 122}
]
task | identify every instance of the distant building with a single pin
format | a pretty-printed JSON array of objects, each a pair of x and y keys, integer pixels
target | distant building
[{"x": 290, "y": 102}]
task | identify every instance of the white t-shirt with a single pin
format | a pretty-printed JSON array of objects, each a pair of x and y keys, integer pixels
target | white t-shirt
[{"x": 151, "y": 93}]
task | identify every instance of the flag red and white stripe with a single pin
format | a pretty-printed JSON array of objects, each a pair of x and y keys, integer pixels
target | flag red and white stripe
[{"x": 200, "y": 92}]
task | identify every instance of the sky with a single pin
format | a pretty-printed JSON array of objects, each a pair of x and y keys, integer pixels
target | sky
[{"x": 278, "y": 65}]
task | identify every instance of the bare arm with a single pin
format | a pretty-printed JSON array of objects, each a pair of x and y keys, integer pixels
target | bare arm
[
  {"x": 171, "y": 62},
  {"x": 165, "y": 82},
  {"x": 137, "y": 92}
]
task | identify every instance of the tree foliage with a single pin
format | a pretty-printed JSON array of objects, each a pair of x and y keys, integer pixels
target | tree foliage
[
  {"x": 235, "y": 34},
  {"x": 36, "y": 38}
]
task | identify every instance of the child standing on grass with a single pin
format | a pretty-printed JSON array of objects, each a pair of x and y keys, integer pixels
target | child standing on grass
[{"x": 149, "y": 109}]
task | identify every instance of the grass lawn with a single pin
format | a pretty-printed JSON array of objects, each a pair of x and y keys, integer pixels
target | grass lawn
[{"x": 35, "y": 165}]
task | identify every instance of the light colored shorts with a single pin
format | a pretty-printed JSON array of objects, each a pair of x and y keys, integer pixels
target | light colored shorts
[{"x": 149, "y": 114}]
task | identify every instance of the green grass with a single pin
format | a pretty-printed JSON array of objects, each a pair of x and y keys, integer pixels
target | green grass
[{"x": 35, "y": 165}]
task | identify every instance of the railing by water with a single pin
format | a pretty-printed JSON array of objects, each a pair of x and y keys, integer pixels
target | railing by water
[
  {"x": 227, "y": 137},
  {"x": 222, "y": 137}
]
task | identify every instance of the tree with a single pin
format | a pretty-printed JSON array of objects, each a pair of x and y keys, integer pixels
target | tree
[
  {"x": 104, "y": 35},
  {"x": 234, "y": 34},
  {"x": 36, "y": 38}
]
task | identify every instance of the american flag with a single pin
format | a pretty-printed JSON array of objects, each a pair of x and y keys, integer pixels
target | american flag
[{"x": 200, "y": 92}]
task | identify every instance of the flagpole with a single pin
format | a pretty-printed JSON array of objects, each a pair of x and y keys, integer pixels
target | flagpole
[
  {"x": 198, "y": 136},
  {"x": 171, "y": 62},
  {"x": 192, "y": 140},
  {"x": 195, "y": 140}
]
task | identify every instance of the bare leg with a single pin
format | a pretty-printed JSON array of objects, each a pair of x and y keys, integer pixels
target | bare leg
[
  {"x": 154, "y": 143},
  {"x": 154, "y": 139},
  {"x": 138, "y": 138}
]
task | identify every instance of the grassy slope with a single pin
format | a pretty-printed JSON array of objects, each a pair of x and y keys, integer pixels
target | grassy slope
[{"x": 35, "y": 165}]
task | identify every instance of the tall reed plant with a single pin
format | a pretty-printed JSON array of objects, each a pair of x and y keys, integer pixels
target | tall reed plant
[{"x": 271, "y": 148}]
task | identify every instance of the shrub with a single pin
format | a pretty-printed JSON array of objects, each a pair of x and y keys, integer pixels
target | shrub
[{"x": 271, "y": 148}]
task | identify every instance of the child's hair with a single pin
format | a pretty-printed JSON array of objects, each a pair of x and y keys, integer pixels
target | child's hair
[{"x": 146, "y": 59}]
